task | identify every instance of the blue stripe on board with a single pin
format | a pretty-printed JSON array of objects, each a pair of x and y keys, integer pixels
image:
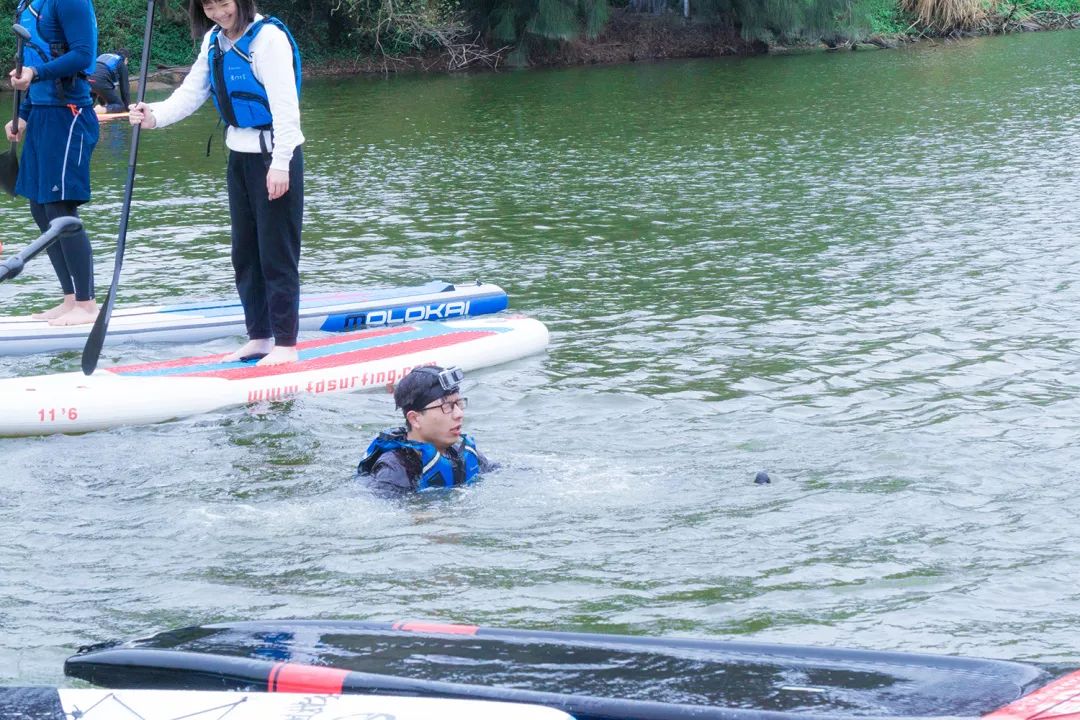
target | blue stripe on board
[
  {"x": 210, "y": 308},
  {"x": 418, "y": 332},
  {"x": 415, "y": 312}
]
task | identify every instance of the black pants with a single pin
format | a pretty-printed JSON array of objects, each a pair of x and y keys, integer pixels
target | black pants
[
  {"x": 110, "y": 98},
  {"x": 111, "y": 87},
  {"x": 71, "y": 256},
  {"x": 266, "y": 246}
]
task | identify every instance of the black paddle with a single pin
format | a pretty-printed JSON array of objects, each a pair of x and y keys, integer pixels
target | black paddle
[
  {"x": 92, "y": 350},
  {"x": 9, "y": 161},
  {"x": 59, "y": 226}
]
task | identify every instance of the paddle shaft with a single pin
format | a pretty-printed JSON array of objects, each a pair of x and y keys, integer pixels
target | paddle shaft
[
  {"x": 59, "y": 226},
  {"x": 18, "y": 93},
  {"x": 94, "y": 343},
  {"x": 9, "y": 160}
]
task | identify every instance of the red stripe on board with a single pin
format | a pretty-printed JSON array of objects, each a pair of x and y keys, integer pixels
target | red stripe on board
[
  {"x": 321, "y": 342},
  {"x": 293, "y": 678},
  {"x": 247, "y": 372},
  {"x": 1059, "y": 700},
  {"x": 271, "y": 679},
  {"x": 434, "y": 627}
]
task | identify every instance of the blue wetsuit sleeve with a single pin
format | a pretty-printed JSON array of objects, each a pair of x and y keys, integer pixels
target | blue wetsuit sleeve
[
  {"x": 77, "y": 21},
  {"x": 389, "y": 477},
  {"x": 24, "y": 106}
]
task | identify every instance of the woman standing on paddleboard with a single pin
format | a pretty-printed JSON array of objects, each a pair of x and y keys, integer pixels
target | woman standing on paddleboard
[
  {"x": 250, "y": 66},
  {"x": 61, "y": 131}
]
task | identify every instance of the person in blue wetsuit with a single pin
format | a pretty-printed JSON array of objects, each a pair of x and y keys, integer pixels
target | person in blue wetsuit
[
  {"x": 250, "y": 66},
  {"x": 430, "y": 451},
  {"x": 60, "y": 128},
  {"x": 110, "y": 83}
]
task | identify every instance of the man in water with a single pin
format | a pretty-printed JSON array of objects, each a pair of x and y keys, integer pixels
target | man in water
[
  {"x": 430, "y": 451},
  {"x": 110, "y": 83}
]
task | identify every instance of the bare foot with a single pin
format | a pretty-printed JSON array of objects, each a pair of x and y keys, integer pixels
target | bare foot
[
  {"x": 81, "y": 314},
  {"x": 281, "y": 355},
  {"x": 68, "y": 304},
  {"x": 251, "y": 347}
]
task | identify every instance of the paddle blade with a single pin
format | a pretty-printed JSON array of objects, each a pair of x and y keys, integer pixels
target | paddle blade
[
  {"x": 94, "y": 343},
  {"x": 9, "y": 170}
]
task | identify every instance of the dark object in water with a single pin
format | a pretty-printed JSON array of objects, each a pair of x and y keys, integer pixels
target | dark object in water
[
  {"x": 762, "y": 478},
  {"x": 590, "y": 676}
]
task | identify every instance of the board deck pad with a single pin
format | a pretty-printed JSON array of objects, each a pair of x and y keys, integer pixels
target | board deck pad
[
  {"x": 589, "y": 676},
  {"x": 327, "y": 352}
]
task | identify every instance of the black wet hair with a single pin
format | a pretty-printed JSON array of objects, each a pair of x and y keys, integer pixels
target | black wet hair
[
  {"x": 200, "y": 24},
  {"x": 123, "y": 52},
  {"x": 420, "y": 388}
]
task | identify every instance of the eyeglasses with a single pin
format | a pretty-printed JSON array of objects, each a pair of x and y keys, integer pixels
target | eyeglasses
[{"x": 448, "y": 406}]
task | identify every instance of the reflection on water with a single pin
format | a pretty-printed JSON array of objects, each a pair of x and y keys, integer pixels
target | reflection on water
[{"x": 856, "y": 271}]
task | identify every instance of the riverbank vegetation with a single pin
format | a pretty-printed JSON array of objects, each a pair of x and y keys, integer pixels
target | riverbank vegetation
[
  {"x": 922, "y": 18},
  {"x": 387, "y": 35}
]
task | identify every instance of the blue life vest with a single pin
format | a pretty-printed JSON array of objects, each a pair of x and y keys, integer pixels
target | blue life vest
[
  {"x": 46, "y": 43},
  {"x": 110, "y": 61},
  {"x": 437, "y": 470},
  {"x": 238, "y": 95}
]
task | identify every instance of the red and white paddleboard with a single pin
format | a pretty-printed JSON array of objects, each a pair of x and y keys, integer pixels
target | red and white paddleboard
[{"x": 158, "y": 391}]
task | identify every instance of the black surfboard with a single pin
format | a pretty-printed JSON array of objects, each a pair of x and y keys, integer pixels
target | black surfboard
[{"x": 590, "y": 676}]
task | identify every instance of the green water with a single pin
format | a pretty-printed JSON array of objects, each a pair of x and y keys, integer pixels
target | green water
[{"x": 855, "y": 271}]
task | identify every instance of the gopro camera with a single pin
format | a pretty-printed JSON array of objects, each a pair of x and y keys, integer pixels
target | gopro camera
[{"x": 450, "y": 378}]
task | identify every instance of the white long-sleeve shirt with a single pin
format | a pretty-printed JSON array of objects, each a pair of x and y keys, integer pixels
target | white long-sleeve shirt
[{"x": 272, "y": 62}]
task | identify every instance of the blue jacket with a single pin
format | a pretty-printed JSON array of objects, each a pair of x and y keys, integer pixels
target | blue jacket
[
  {"x": 110, "y": 61},
  {"x": 62, "y": 50},
  {"x": 238, "y": 95},
  {"x": 396, "y": 464}
]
